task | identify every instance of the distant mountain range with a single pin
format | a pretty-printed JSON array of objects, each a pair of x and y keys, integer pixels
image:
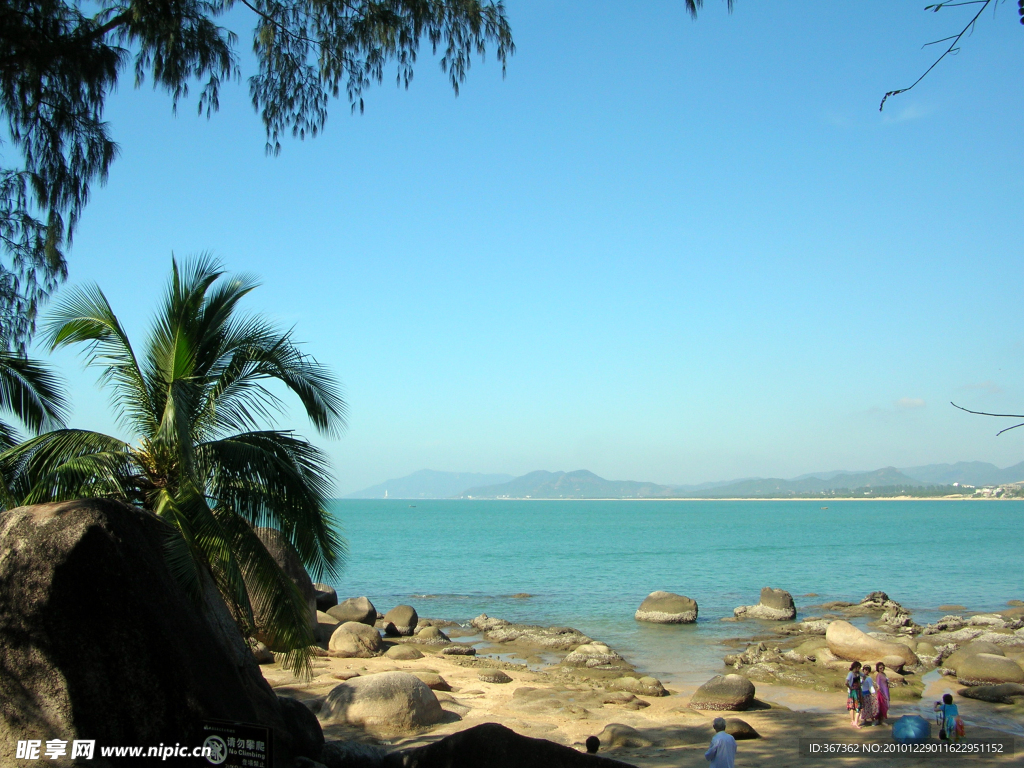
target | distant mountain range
[
  {"x": 582, "y": 484},
  {"x": 428, "y": 484}
]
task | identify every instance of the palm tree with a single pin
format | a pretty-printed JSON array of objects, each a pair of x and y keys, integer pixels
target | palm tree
[{"x": 197, "y": 404}]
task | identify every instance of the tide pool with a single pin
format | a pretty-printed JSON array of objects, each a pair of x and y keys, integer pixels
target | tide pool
[{"x": 589, "y": 564}]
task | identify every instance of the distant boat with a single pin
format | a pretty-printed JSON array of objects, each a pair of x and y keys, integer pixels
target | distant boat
[
  {"x": 824, "y": 507},
  {"x": 412, "y": 506}
]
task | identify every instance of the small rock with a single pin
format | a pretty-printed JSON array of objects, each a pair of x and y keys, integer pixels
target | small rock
[
  {"x": 774, "y": 605},
  {"x": 458, "y": 650},
  {"x": 355, "y": 640},
  {"x": 592, "y": 655},
  {"x": 432, "y": 680},
  {"x": 403, "y": 653},
  {"x": 493, "y": 676},
  {"x": 432, "y": 636},
  {"x": 1005, "y": 693},
  {"x": 617, "y": 735}
]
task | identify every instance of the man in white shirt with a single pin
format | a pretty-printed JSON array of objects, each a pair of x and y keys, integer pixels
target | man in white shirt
[{"x": 722, "y": 752}]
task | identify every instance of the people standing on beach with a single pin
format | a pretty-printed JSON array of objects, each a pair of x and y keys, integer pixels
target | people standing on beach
[
  {"x": 854, "y": 694},
  {"x": 868, "y": 696},
  {"x": 722, "y": 752},
  {"x": 882, "y": 688},
  {"x": 952, "y": 728}
]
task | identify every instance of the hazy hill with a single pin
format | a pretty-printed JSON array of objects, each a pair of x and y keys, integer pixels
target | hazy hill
[
  {"x": 428, "y": 484},
  {"x": 970, "y": 472},
  {"x": 580, "y": 484},
  {"x": 774, "y": 487}
]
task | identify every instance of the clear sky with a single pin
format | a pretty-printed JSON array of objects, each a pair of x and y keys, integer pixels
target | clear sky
[{"x": 660, "y": 249}]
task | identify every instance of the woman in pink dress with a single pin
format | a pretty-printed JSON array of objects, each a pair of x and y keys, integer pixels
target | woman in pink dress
[{"x": 882, "y": 693}]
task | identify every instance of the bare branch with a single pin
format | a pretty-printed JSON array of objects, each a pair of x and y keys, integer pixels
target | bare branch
[
  {"x": 997, "y": 415},
  {"x": 952, "y": 46}
]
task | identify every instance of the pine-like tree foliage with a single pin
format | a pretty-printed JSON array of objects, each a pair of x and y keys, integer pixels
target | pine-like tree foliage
[
  {"x": 197, "y": 403},
  {"x": 58, "y": 63}
]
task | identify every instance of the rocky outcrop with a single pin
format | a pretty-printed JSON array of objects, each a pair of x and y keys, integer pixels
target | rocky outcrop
[
  {"x": 988, "y": 668},
  {"x": 724, "y": 692},
  {"x": 667, "y": 608},
  {"x": 358, "y": 609},
  {"x": 592, "y": 655},
  {"x": 384, "y": 703},
  {"x": 495, "y": 746},
  {"x": 325, "y": 626},
  {"x": 953, "y": 660},
  {"x": 549, "y": 638},
  {"x": 288, "y": 560},
  {"x": 99, "y": 641},
  {"x": 774, "y": 605},
  {"x": 355, "y": 640},
  {"x": 400, "y": 620},
  {"x": 848, "y": 642}
]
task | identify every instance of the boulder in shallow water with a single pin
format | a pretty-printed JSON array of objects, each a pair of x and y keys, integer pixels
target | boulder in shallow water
[
  {"x": 403, "y": 619},
  {"x": 355, "y": 640},
  {"x": 1004, "y": 693},
  {"x": 987, "y": 668},
  {"x": 724, "y": 692},
  {"x": 848, "y": 642},
  {"x": 642, "y": 686},
  {"x": 774, "y": 605},
  {"x": 494, "y": 746},
  {"x": 355, "y": 609},
  {"x": 667, "y": 608},
  {"x": 386, "y": 703}
]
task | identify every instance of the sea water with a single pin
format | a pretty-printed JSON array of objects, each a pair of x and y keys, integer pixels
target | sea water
[{"x": 589, "y": 564}]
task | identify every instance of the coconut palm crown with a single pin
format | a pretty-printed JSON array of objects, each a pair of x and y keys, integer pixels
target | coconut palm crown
[{"x": 204, "y": 457}]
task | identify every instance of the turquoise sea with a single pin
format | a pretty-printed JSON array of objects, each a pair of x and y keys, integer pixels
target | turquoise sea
[{"x": 589, "y": 564}]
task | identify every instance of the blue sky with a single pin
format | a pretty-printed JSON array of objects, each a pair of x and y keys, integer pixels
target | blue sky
[{"x": 659, "y": 249}]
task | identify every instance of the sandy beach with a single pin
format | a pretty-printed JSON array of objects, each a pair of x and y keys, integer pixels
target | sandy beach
[{"x": 566, "y": 705}]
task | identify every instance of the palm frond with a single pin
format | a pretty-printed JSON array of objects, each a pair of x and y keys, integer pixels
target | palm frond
[
  {"x": 31, "y": 392},
  {"x": 276, "y": 480},
  {"x": 70, "y": 464},
  {"x": 84, "y": 317}
]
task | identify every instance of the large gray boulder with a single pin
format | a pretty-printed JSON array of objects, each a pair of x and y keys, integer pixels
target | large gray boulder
[
  {"x": 848, "y": 642},
  {"x": 355, "y": 640},
  {"x": 494, "y": 746},
  {"x": 385, "y": 703},
  {"x": 325, "y": 626},
  {"x": 287, "y": 558},
  {"x": 1004, "y": 693},
  {"x": 355, "y": 609},
  {"x": 971, "y": 649},
  {"x": 667, "y": 608},
  {"x": 402, "y": 618},
  {"x": 99, "y": 641},
  {"x": 307, "y": 735},
  {"x": 775, "y": 605},
  {"x": 988, "y": 669},
  {"x": 724, "y": 692},
  {"x": 326, "y": 597}
]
